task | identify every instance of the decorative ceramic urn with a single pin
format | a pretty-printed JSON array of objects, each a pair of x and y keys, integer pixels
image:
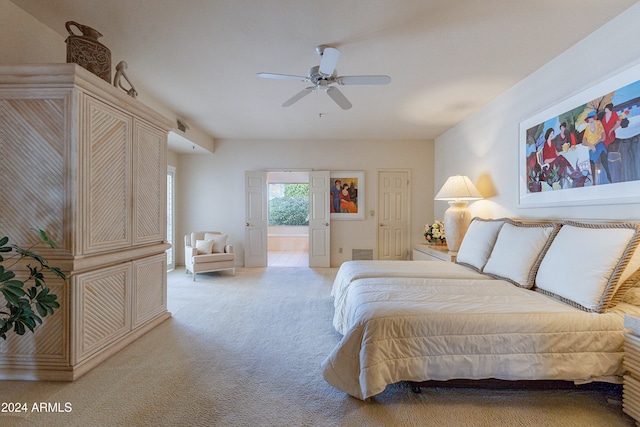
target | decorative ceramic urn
[{"x": 86, "y": 51}]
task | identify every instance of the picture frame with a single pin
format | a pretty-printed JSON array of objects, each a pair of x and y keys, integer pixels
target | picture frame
[
  {"x": 607, "y": 172},
  {"x": 352, "y": 206}
]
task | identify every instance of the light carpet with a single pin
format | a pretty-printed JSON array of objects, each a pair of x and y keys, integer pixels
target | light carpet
[{"x": 245, "y": 350}]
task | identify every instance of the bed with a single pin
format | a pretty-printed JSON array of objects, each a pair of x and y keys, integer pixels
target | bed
[{"x": 517, "y": 305}]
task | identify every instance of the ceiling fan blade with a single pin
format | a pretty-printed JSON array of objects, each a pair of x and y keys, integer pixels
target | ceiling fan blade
[
  {"x": 339, "y": 98},
  {"x": 329, "y": 60},
  {"x": 283, "y": 77},
  {"x": 363, "y": 80},
  {"x": 298, "y": 96}
]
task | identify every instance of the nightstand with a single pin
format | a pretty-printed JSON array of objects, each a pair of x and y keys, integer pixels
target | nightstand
[
  {"x": 424, "y": 252},
  {"x": 631, "y": 383}
]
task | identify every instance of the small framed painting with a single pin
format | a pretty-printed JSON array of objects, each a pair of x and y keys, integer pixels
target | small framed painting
[
  {"x": 584, "y": 150},
  {"x": 347, "y": 195}
]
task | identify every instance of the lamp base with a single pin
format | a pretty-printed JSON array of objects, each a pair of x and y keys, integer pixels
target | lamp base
[{"x": 456, "y": 222}]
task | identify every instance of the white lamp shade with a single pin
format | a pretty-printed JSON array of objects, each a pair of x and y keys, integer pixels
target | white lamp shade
[
  {"x": 457, "y": 190},
  {"x": 458, "y": 187}
]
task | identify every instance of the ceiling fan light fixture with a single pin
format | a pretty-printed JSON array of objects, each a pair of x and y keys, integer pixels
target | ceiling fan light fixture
[{"x": 324, "y": 75}]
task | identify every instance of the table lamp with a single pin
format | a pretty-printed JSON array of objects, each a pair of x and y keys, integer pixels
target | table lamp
[{"x": 458, "y": 190}]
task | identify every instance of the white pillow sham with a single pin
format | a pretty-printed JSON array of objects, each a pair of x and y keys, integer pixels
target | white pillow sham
[
  {"x": 518, "y": 251},
  {"x": 204, "y": 246},
  {"x": 588, "y": 264},
  {"x": 219, "y": 241},
  {"x": 478, "y": 242}
]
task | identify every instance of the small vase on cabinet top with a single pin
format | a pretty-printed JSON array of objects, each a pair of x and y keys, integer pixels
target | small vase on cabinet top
[{"x": 86, "y": 51}]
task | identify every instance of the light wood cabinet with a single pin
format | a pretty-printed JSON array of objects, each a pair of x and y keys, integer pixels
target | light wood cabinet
[{"x": 87, "y": 163}]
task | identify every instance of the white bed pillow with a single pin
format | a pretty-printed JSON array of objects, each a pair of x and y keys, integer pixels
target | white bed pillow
[
  {"x": 204, "y": 246},
  {"x": 219, "y": 241},
  {"x": 590, "y": 266},
  {"x": 518, "y": 251},
  {"x": 478, "y": 242}
]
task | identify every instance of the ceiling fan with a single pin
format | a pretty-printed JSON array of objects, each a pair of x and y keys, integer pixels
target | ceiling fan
[{"x": 324, "y": 75}]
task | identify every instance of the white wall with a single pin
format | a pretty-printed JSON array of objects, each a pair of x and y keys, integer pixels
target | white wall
[
  {"x": 25, "y": 40},
  {"x": 210, "y": 187},
  {"x": 485, "y": 146}
]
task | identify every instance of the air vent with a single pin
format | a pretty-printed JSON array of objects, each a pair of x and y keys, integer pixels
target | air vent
[
  {"x": 182, "y": 126},
  {"x": 361, "y": 254}
]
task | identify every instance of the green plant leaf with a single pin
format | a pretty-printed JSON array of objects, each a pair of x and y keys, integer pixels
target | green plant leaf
[
  {"x": 6, "y": 275},
  {"x": 18, "y": 328},
  {"x": 43, "y": 309},
  {"x": 29, "y": 254},
  {"x": 15, "y": 284},
  {"x": 29, "y": 322},
  {"x": 21, "y": 304},
  {"x": 45, "y": 239},
  {"x": 12, "y": 292}
]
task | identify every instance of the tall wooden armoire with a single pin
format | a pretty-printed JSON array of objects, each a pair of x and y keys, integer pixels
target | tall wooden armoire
[{"x": 87, "y": 163}]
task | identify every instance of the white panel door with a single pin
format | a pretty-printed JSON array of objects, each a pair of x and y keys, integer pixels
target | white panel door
[
  {"x": 393, "y": 218},
  {"x": 255, "y": 238},
  {"x": 319, "y": 219}
]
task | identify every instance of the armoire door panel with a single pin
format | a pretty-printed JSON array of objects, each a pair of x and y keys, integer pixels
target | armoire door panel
[
  {"x": 104, "y": 308},
  {"x": 106, "y": 158},
  {"x": 150, "y": 288},
  {"x": 149, "y": 175}
]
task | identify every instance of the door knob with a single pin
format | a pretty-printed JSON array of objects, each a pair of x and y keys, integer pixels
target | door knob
[
  {"x": 248, "y": 224},
  {"x": 326, "y": 223}
]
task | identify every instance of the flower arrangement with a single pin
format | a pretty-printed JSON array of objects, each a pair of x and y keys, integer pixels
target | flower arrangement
[{"x": 434, "y": 233}]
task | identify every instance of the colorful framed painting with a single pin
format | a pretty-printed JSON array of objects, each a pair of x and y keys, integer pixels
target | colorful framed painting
[
  {"x": 347, "y": 195},
  {"x": 586, "y": 149}
]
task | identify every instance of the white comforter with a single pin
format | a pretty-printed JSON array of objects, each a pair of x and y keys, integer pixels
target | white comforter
[
  {"x": 354, "y": 270},
  {"x": 418, "y": 329}
]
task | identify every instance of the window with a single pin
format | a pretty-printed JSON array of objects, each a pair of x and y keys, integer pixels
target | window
[{"x": 171, "y": 174}]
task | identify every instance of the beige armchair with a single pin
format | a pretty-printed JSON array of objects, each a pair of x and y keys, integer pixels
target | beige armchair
[{"x": 208, "y": 251}]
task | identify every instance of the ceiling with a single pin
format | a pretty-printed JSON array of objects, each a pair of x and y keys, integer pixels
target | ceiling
[{"x": 446, "y": 58}]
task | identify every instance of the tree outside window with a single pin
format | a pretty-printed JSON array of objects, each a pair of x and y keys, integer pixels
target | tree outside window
[{"x": 289, "y": 204}]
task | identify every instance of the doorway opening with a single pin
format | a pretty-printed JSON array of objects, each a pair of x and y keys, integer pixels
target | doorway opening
[{"x": 288, "y": 219}]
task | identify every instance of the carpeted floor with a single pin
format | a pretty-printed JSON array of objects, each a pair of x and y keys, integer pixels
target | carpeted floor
[{"x": 245, "y": 350}]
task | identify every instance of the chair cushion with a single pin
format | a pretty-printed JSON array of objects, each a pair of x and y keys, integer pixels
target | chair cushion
[
  {"x": 198, "y": 259},
  {"x": 219, "y": 241}
]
